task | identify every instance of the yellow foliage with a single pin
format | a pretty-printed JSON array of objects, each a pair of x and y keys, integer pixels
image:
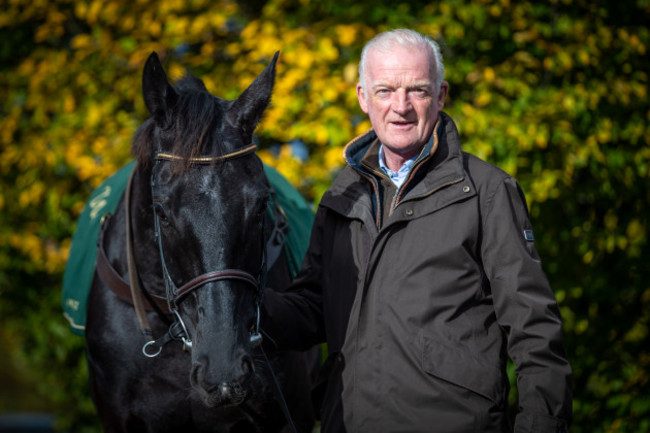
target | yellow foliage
[
  {"x": 362, "y": 127},
  {"x": 610, "y": 220},
  {"x": 155, "y": 28},
  {"x": 334, "y": 157},
  {"x": 604, "y": 133},
  {"x": 326, "y": 49},
  {"x": 581, "y": 326},
  {"x": 287, "y": 165},
  {"x": 86, "y": 167},
  {"x": 525, "y": 36},
  {"x": 94, "y": 115},
  {"x": 636, "y": 231},
  {"x": 92, "y": 13},
  {"x": 489, "y": 75},
  {"x": 483, "y": 98},
  {"x": 584, "y": 57},
  {"x": 81, "y": 41},
  {"x": 350, "y": 73},
  {"x": 175, "y": 72},
  {"x": 347, "y": 34},
  {"x": 55, "y": 257},
  {"x": 28, "y": 243}
]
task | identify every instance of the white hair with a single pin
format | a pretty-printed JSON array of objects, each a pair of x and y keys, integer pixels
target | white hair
[{"x": 410, "y": 39}]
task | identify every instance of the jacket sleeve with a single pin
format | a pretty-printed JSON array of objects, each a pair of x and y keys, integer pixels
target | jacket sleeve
[
  {"x": 527, "y": 310},
  {"x": 293, "y": 317}
]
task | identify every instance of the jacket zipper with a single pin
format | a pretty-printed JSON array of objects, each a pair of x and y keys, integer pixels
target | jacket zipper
[
  {"x": 398, "y": 194},
  {"x": 375, "y": 189}
]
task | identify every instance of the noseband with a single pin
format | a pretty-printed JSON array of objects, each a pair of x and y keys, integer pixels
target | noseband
[{"x": 176, "y": 295}]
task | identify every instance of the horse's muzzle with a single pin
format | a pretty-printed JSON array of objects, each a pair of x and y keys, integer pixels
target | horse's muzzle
[{"x": 216, "y": 393}]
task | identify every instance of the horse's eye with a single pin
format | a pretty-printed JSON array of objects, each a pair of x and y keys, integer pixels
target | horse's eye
[{"x": 160, "y": 212}]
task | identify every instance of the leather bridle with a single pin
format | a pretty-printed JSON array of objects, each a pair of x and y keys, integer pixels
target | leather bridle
[{"x": 175, "y": 295}]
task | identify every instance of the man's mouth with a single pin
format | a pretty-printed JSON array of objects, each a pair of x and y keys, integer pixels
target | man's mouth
[{"x": 402, "y": 124}]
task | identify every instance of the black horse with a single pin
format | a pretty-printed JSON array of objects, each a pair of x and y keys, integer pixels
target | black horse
[{"x": 187, "y": 248}]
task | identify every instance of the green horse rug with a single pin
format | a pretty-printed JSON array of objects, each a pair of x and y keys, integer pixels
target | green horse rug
[{"x": 80, "y": 267}]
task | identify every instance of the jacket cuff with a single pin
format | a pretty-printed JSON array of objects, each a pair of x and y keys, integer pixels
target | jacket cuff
[{"x": 539, "y": 423}]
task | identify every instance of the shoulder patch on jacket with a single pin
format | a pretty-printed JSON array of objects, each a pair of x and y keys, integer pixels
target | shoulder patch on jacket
[{"x": 529, "y": 236}]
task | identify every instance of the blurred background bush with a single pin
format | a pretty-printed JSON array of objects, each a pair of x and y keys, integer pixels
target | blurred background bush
[{"x": 554, "y": 92}]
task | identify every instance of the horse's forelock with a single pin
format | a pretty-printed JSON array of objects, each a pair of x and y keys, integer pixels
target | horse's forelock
[
  {"x": 195, "y": 120},
  {"x": 199, "y": 115},
  {"x": 190, "y": 83}
]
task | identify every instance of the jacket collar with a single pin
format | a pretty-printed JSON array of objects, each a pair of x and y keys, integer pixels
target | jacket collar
[
  {"x": 356, "y": 151},
  {"x": 443, "y": 147},
  {"x": 441, "y": 166}
]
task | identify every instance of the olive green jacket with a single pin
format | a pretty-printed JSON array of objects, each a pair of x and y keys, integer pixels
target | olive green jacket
[{"x": 421, "y": 308}]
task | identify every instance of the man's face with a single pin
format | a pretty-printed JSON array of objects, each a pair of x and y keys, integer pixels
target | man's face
[{"x": 399, "y": 97}]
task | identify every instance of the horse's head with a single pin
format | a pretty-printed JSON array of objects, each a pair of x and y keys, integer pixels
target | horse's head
[{"x": 209, "y": 197}]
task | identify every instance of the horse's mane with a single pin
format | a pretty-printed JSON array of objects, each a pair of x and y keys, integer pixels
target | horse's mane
[{"x": 193, "y": 122}]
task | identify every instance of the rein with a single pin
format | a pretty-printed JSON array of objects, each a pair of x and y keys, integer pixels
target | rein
[{"x": 136, "y": 291}]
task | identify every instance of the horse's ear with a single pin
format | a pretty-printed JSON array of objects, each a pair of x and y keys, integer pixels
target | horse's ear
[
  {"x": 159, "y": 96},
  {"x": 246, "y": 112}
]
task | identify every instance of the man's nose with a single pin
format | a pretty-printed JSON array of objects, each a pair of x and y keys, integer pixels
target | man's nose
[{"x": 401, "y": 102}]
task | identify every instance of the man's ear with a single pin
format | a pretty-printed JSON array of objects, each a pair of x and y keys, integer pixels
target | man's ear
[
  {"x": 361, "y": 96},
  {"x": 442, "y": 95}
]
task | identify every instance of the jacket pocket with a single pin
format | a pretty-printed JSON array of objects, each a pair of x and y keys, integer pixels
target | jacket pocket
[{"x": 457, "y": 365}]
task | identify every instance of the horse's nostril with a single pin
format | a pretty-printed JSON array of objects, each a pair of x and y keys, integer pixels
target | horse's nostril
[{"x": 247, "y": 366}]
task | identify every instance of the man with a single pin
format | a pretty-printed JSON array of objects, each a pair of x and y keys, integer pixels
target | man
[{"x": 422, "y": 275}]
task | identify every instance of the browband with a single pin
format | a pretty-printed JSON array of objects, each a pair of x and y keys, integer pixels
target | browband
[{"x": 207, "y": 159}]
